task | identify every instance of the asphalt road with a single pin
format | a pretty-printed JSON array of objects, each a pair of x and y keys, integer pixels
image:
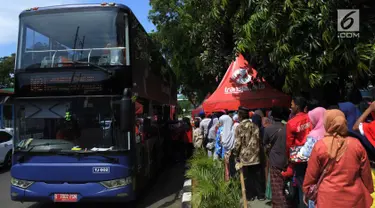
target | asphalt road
[{"x": 164, "y": 193}]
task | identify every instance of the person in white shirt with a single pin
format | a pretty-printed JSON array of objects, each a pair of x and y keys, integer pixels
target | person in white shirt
[{"x": 204, "y": 128}]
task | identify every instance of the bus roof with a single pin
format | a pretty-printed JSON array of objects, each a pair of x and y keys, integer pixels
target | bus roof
[{"x": 75, "y": 6}]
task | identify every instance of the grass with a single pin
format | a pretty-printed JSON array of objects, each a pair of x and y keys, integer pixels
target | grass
[{"x": 210, "y": 190}]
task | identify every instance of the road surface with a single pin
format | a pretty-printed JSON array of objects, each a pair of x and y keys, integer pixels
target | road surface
[{"x": 165, "y": 193}]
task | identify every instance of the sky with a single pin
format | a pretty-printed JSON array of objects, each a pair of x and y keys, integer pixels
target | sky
[{"x": 10, "y": 11}]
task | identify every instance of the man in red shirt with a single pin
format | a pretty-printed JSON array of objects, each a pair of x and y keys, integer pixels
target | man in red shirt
[
  {"x": 299, "y": 126},
  {"x": 297, "y": 130}
]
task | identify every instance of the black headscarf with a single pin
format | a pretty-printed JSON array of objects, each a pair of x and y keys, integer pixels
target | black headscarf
[{"x": 257, "y": 120}]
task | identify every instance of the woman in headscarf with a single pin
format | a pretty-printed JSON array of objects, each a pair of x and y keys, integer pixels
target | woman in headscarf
[
  {"x": 218, "y": 151},
  {"x": 236, "y": 122},
  {"x": 229, "y": 157},
  {"x": 227, "y": 140},
  {"x": 316, "y": 117},
  {"x": 346, "y": 181}
]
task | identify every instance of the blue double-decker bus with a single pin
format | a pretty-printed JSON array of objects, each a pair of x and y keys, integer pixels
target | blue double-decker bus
[{"x": 91, "y": 91}]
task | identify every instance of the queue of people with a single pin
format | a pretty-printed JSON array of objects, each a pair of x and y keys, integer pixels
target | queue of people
[{"x": 308, "y": 157}]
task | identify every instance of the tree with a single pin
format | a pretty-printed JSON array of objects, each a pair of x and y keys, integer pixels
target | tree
[
  {"x": 195, "y": 59},
  {"x": 293, "y": 44},
  {"x": 7, "y": 71},
  {"x": 298, "y": 39}
]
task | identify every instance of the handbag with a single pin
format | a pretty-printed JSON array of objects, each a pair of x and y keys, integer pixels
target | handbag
[
  {"x": 301, "y": 154},
  {"x": 294, "y": 156},
  {"x": 313, "y": 190},
  {"x": 289, "y": 189}
]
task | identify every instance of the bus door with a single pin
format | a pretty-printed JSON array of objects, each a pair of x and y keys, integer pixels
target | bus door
[
  {"x": 147, "y": 146},
  {"x": 138, "y": 146},
  {"x": 151, "y": 150}
]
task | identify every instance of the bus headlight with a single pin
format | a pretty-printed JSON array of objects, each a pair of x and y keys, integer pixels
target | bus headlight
[
  {"x": 21, "y": 183},
  {"x": 117, "y": 183}
]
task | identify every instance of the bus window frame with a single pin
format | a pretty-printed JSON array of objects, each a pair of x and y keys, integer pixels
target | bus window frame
[
  {"x": 127, "y": 43},
  {"x": 22, "y": 34}
]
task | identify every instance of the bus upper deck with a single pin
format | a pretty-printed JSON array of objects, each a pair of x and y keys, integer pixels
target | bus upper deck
[{"x": 81, "y": 71}]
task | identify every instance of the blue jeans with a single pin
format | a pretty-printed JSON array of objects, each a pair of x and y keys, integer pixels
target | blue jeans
[{"x": 311, "y": 204}]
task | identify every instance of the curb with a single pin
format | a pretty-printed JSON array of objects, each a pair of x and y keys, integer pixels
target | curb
[{"x": 186, "y": 196}]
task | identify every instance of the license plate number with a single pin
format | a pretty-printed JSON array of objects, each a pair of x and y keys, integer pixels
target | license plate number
[{"x": 66, "y": 198}]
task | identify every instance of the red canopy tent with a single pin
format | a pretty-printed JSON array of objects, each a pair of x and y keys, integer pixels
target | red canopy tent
[
  {"x": 241, "y": 87},
  {"x": 199, "y": 109}
]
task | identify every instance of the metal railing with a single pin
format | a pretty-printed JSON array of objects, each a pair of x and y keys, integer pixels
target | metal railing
[{"x": 75, "y": 50}]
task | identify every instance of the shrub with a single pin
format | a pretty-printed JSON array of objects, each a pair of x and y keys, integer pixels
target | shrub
[{"x": 210, "y": 189}]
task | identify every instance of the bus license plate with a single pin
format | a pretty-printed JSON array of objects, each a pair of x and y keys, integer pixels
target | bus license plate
[{"x": 66, "y": 198}]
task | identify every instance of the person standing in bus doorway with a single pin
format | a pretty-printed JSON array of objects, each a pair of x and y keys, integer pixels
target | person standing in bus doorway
[
  {"x": 188, "y": 138},
  {"x": 246, "y": 150}
]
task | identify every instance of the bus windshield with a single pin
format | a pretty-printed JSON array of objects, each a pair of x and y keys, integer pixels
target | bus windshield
[
  {"x": 60, "y": 37},
  {"x": 89, "y": 123}
]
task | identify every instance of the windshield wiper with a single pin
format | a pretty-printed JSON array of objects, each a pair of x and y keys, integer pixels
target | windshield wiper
[
  {"x": 22, "y": 157},
  {"x": 80, "y": 154},
  {"x": 59, "y": 151},
  {"x": 91, "y": 64}
]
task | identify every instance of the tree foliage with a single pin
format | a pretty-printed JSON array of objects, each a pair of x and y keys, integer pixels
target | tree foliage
[
  {"x": 293, "y": 44},
  {"x": 299, "y": 39},
  {"x": 7, "y": 71},
  {"x": 195, "y": 58}
]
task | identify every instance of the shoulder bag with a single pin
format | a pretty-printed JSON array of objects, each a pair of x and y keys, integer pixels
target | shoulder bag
[{"x": 313, "y": 190}]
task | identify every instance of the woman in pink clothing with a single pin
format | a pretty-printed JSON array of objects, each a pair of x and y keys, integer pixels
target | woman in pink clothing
[{"x": 347, "y": 180}]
